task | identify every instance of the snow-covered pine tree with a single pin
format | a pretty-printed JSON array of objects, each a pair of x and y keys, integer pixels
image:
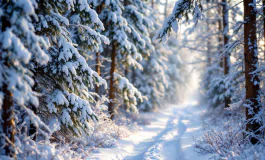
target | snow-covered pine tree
[
  {"x": 123, "y": 49},
  {"x": 128, "y": 93},
  {"x": 70, "y": 27},
  {"x": 85, "y": 30},
  {"x": 18, "y": 44},
  {"x": 136, "y": 13},
  {"x": 154, "y": 79},
  {"x": 151, "y": 80}
]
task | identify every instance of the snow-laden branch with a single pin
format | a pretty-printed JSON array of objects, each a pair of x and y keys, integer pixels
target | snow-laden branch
[{"x": 182, "y": 8}]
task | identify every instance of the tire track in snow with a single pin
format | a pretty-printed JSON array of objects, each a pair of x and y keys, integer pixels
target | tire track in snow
[
  {"x": 179, "y": 155},
  {"x": 168, "y": 147},
  {"x": 153, "y": 148}
]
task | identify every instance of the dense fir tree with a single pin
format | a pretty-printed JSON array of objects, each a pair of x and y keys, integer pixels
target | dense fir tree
[
  {"x": 151, "y": 84},
  {"x": 125, "y": 42},
  {"x": 67, "y": 79},
  {"x": 19, "y": 44}
]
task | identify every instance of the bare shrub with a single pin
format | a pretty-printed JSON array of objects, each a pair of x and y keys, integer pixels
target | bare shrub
[
  {"x": 220, "y": 141},
  {"x": 225, "y": 137},
  {"x": 105, "y": 133}
]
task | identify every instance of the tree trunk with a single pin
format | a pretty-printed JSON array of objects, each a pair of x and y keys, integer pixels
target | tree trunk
[
  {"x": 97, "y": 68},
  {"x": 112, "y": 88},
  {"x": 226, "y": 38},
  {"x": 8, "y": 117},
  {"x": 98, "y": 63},
  {"x": 220, "y": 42},
  {"x": 8, "y": 122},
  {"x": 126, "y": 73},
  {"x": 263, "y": 3},
  {"x": 125, "y": 2},
  {"x": 251, "y": 64},
  {"x": 208, "y": 45},
  {"x": 32, "y": 127},
  {"x": 126, "y": 68},
  {"x": 133, "y": 75}
]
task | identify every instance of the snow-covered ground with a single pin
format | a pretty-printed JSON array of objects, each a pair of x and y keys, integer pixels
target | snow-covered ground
[{"x": 169, "y": 136}]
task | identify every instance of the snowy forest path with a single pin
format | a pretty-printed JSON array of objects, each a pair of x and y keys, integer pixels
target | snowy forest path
[
  {"x": 151, "y": 148},
  {"x": 170, "y": 136},
  {"x": 175, "y": 142}
]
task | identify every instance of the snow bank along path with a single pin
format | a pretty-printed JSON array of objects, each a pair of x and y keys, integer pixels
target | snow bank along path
[{"x": 169, "y": 137}]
